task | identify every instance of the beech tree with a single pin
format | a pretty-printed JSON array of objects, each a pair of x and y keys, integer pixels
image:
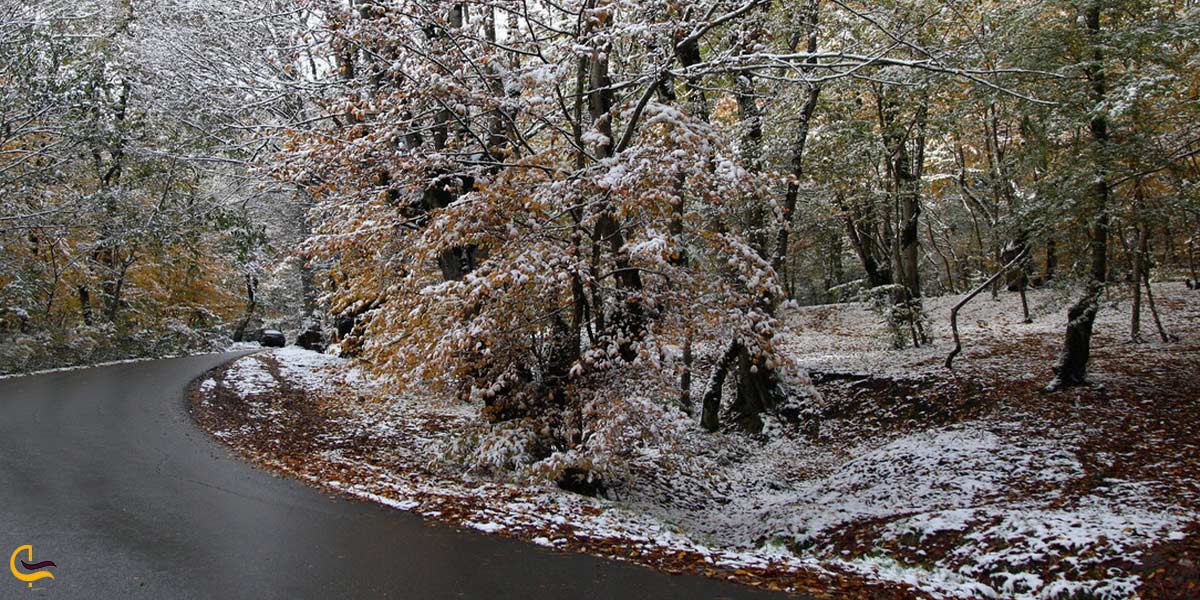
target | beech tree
[
  {"x": 542, "y": 206},
  {"x": 1124, "y": 58},
  {"x": 533, "y": 225}
]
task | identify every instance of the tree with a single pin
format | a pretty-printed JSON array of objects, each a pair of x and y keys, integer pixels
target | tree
[
  {"x": 1143, "y": 42},
  {"x": 122, "y": 201}
]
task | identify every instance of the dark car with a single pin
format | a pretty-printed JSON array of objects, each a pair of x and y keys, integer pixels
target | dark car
[{"x": 272, "y": 338}]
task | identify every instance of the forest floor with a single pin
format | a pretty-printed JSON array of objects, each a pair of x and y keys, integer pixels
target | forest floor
[{"x": 911, "y": 482}]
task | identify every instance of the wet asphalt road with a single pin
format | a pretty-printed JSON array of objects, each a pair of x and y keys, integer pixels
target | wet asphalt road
[{"x": 103, "y": 472}]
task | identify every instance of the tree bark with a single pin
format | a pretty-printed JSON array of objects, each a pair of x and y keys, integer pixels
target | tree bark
[
  {"x": 685, "y": 376},
  {"x": 758, "y": 392},
  {"x": 1135, "y": 315},
  {"x": 85, "y": 305},
  {"x": 860, "y": 230},
  {"x": 1146, "y": 264},
  {"x": 710, "y": 416}
]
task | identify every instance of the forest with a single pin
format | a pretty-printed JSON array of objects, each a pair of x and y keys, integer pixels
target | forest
[{"x": 619, "y": 238}]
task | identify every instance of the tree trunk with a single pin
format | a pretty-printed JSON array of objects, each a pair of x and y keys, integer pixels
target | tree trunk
[
  {"x": 906, "y": 168},
  {"x": 1025, "y": 302},
  {"x": 1073, "y": 362},
  {"x": 1162, "y": 332},
  {"x": 685, "y": 376},
  {"x": 85, "y": 305},
  {"x": 1077, "y": 346},
  {"x": 759, "y": 388},
  {"x": 694, "y": 104},
  {"x": 308, "y": 285},
  {"x": 118, "y": 287},
  {"x": 1051, "y": 261},
  {"x": 950, "y": 286},
  {"x": 1135, "y": 315},
  {"x": 239, "y": 335},
  {"x": 835, "y": 273},
  {"x": 758, "y": 392},
  {"x": 783, "y": 236},
  {"x": 1144, "y": 254},
  {"x": 1019, "y": 277},
  {"x": 860, "y": 228},
  {"x": 710, "y": 416},
  {"x": 1192, "y": 262},
  {"x": 628, "y": 321},
  {"x": 750, "y": 117}
]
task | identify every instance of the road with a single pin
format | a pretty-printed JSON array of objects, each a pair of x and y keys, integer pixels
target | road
[{"x": 103, "y": 472}]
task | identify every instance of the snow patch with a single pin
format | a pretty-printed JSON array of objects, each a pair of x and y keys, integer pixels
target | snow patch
[{"x": 248, "y": 377}]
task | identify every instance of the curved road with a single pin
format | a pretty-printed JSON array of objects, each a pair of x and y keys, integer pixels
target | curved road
[{"x": 103, "y": 472}]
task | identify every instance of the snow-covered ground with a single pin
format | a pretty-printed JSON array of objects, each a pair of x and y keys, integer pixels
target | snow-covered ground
[{"x": 988, "y": 489}]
